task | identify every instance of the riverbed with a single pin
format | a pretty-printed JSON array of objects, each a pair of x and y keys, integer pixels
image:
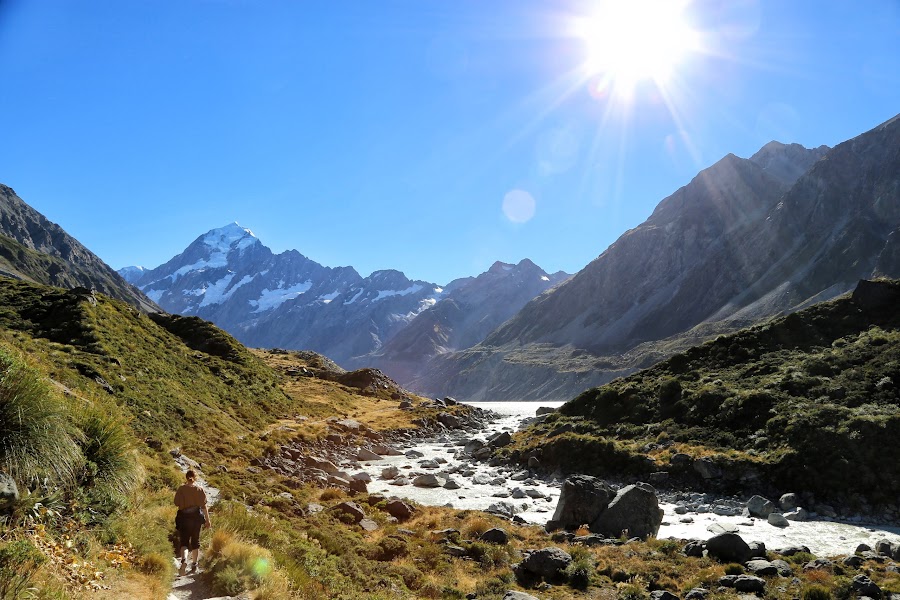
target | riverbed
[{"x": 534, "y": 499}]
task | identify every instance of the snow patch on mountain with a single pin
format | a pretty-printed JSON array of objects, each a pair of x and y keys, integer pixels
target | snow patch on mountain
[
  {"x": 354, "y": 298},
  {"x": 220, "y": 291},
  {"x": 327, "y": 298},
  {"x": 270, "y": 299},
  {"x": 414, "y": 288}
]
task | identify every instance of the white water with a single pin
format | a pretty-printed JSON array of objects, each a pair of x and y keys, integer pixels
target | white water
[{"x": 823, "y": 537}]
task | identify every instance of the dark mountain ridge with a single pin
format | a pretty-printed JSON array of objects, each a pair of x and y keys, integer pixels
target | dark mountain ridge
[{"x": 33, "y": 248}]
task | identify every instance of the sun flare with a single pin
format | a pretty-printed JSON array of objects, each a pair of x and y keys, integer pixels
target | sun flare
[{"x": 632, "y": 41}]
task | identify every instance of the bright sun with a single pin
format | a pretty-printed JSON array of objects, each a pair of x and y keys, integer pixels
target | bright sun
[{"x": 631, "y": 41}]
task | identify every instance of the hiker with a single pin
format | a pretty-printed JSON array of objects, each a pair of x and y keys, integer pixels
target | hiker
[{"x": 192, "y": 515}]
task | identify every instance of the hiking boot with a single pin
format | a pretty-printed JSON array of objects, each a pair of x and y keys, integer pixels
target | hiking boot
[
  {"x": 193, "y": 567},
  {"x": 182, "y": 568}
]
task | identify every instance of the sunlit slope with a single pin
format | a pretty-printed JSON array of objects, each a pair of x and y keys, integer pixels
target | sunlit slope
[
  {"x": 810, "y": 402},
  {"x": 740, "y": 243}
]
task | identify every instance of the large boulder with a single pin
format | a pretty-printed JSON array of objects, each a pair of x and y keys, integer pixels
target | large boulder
[
  {"x": 707, "y": 468},
  {"x": 449, "y": 421},
  {"x": 9, "y": 492},
  {"x": 427, "y": 480},
  {"x": 364, "y": 455},
  {"x": 513, "y": 595},
  {"x": 760, "y": 507},
  {"x": 789, "y": 501},
  {"x": 728, "y": 547},
  {"x": 547, "y": 562},
  {"x": 398, "y": 509},
  {"x": 495, "y": 535},
  {"x": 635, "y": 509},
  {"x": 351, "y": 509},
  {"x": 581, "y": 501},
  {"x": 500, "y": 440}
]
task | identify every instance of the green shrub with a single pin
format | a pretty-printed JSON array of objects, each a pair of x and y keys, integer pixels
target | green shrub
[
  {"x": 734, "y": 569},
  {"x": 36, "y": 438},
  {"x": 111, "y": 470},
  {"x": 816, "y": 592},
  {"x": 19, "y": 561},
  {"x": 578, "y": 572}
]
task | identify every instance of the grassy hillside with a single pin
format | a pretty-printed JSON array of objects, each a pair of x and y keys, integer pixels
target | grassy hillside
[
  {"x": 94, "y": 399},
  {"x": 805, "y": 402}
]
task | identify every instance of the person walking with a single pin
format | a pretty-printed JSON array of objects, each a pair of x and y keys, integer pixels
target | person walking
[{"x": 192, "y": 514}]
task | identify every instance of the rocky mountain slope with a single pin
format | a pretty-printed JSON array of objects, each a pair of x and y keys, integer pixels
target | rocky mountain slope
[
  {"x": 35, "y": 249},
  {"x": 468, "y": 311},
  {"x": 745, "y": 240},
  {"x": 287, "y": 300}
]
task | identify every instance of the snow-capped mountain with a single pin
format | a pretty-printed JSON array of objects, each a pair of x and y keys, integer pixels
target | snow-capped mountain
[
  {"x": 229, "y": 277},
  {"x": 286, "y": 300}
]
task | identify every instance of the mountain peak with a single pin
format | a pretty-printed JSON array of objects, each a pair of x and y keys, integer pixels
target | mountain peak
[
  {"x": 231, "y": 235},
  {"x": 787, "y": 162}
]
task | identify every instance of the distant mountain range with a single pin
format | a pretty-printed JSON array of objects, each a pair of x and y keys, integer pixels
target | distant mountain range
[
  {"x": 745, "y": 240},
  {"x": 286, "y": 300}
]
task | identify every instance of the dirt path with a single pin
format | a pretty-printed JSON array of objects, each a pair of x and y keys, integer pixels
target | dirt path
[{"x": 191, "y": 586}]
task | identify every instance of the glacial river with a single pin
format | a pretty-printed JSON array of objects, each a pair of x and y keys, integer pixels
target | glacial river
[{"x": 481, "y": 486}]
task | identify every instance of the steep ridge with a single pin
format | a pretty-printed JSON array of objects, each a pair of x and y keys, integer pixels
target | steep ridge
[
  {"x": 33, "y": 248},
  {"x": 739, "y": 243},
  {"x": 468, "y": 311}
]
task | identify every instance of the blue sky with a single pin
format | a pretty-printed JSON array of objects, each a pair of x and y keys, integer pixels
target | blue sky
[{"x": 387, "y": 134}]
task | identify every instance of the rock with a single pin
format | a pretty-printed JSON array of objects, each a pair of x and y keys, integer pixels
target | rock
[
  {"x": 473, "y": 446},
  {"x": 534, "y": 462},
  {"x": 449, "y": 421},
  {"x": 863, "y": 586},
  {"x": 750, "y": 583},
  {"x": 386, "y": 450},
  {"x": 451, "y": 484},
  {"x": 482, "y": 453},
  {"x": 697, "y": 594},
  {"x": 762, "y": 568},
  {"x": 429, "y": 464},
  {"x": 400, "y": 481},
  {"x": 495, "y": 535},
  {"x": 398, "y": 509},
  {"x": 390, "y": 472},
  {"x": 792, "y": 550},
  {"x": 547, "y": 562},
  {"x": 313, "y": 508},
  {"x": 853, "y": 561},
  {"x": 728, "y": 547},
  {"x": 784, "y": 569},
  {"x": 760, "y": 507},
  {"x": 351, "y": 509},
  {"x": 518, "y": 494},
  {"x": 717, "y": 528},
  {"x": 364, "y": 455},
  {"x": 680, "y": 460},
  {"x": 662, "y": 595},
  {"x": 322, "y": 464},
  {"x": 543, "y": 410},
  {"x": 9, "y": 492},
  {"x": 825, "y": 510},
  {"x": 693, "y": 548},
  {"x": 778, "y": 520},
  {"x": 482, "y": 479},
  {"x": 819, "y": 563},
  {"x": 707, "y": 468},
  {"x": 659, "y": 477},
  {"x": 884, "y": 547},
  {"x": 500, "y": 440},
  {"x": 758, "y": 549},
  {"x": 505, "y": 509},
  {"x": 789, "y": 501},
  {"x": 799, "y": 514},
  {"x": 359, "y": 486},
  {"x": 863, "y": 548},
  {"x": 454, "y": 550},
  {"x": 428, "y": 480},
  {"x": 414, "y": 454},
  {"x": 368, "y": 525},
  {"x": 512, "y": 595},
  {"x": 635, "y": 508},
  {"x": 362, "y": 476},
  {"x": 406, "y": 405}
]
